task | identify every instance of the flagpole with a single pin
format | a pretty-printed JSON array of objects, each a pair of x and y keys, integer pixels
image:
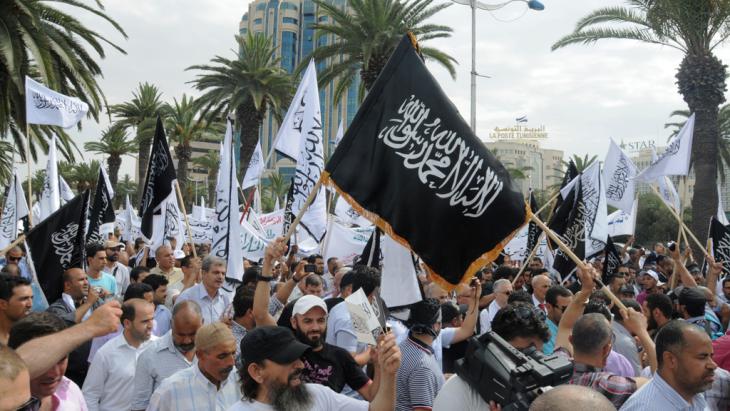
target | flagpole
[
  {"x": 310, "y": 198},
  {"x": 529, "y": 257},
  {"x": 249, "y": 200},
  {"x": 679, "y": 220},
  {"x": 30, "y": 177},
  {"x": 185, "y": 215},
  {"x": 576, "y": 260},
  {"x": 17, "y": 241}
]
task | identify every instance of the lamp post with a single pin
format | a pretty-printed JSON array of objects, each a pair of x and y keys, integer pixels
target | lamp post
[{"x": 476, "y": 4}]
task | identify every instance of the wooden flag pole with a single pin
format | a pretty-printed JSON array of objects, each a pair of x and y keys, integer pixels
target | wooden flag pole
[
  {"x": 310, "y": 198},
  {"x": 576, "y": 260},
  {"x": 30, "y": 176},
  {"x": 185, "y": 215},
  {"x": 681, "y": 223},
  {"x": 17, "y": 241},
  {"x": 529, "y": 257}
]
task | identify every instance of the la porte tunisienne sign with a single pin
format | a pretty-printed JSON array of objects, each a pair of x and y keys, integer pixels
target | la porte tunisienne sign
[{"x": 518, "y": 132}]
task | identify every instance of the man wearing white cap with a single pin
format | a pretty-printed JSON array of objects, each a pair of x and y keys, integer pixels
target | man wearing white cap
[
  {"x": 327, "y": 364},
  {"x": 650, "y": 281},
  {"x": 119, "y": 271}
]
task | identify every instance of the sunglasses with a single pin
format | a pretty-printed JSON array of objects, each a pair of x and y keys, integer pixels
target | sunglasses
[
  {"x": 10, "y": 258},
  {"x": 33, "y": 404}
]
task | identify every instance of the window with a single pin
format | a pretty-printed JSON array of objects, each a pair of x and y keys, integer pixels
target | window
[
  {"x": 257, "y": 21},
  {"x": 289, "y": 6},
  {"x": 323, "y": 18},
  {"x": 261, "y": 6},
  {"x": 290, "y": 20},
  {"x": 288, "y": 50},
  {"x": 245, "y": 17}
]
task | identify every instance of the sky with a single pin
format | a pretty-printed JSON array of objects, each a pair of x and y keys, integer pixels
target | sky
[{"x": 583, "y": 95}]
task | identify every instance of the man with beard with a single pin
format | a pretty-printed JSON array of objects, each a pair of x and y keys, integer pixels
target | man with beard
[
  {"x": 271, "y": 379},
  {"x": 119, "y": 271},
  {"x": 327, "y": 364},
  {"x": 167, "y": 355},
  {"x": 208, "y": 294},
  {"x": 208, "y": 385},
  {"x": 658, "y": 310},
  {"x": 110, "y": 381},
  {"x": 16, "y": 301},
  {"x": 51, "y": 388},
  {"x": 686, "y": 371}
]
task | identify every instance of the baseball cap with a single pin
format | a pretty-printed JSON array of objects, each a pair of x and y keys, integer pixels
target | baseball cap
[
  {"x": 306, "y": 303},
  {"x": 112, "y": 244},
  {"x": 653, "y": 274},
  {"x": 272, "y": 343}
]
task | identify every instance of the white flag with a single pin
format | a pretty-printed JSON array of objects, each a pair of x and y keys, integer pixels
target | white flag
[
  {"x": 310, "y": 163},
  {"x": 347, "y": 214},
  {"x": 399, "y": 278},
  {"x": 253, "y": 244},
  {"x": 364, "y": 320},
  {"x": 345, "y": 243},
  {"x": 272, "y": 224},
  {"x": 516, "y": 248},
  {"x": 65, "y": 190},
  {"x": 668, "y": 193},
  {"x": 291, "y": 133},
  {"x": 255, "y": 168},
  {"x": 174, "y": 221},
  {"x": 339, "y": 135},
  {"x": 50, "y": 196},
  {"x": 675, "y": 159},
  {"x": 721, "y": 217},
  {"x": 623, "y": 223},
  {"x": 15, "y": 208},
  {"x": 226, "y": 227},
  {"x": 45, "y": 106},
  {"x": 619, "y": 172}
]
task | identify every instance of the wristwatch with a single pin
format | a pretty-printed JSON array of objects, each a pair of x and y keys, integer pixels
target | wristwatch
[{"x": 264, "y": 278}]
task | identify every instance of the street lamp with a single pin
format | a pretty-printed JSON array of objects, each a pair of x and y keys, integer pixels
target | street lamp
[{"x": 476, "y": 4}]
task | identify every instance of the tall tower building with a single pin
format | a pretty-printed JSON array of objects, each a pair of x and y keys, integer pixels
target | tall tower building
[{"x": 288, "y": 24}]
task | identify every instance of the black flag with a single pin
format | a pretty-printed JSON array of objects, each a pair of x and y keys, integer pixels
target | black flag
[
  {"x": 102, "y": 210},
  {"x": 159, "y": 180},
  {"x": 57, "y": 244},
  {"x": 411, "y": 164},
  {"x": 371, "y": 254},
  {"x": 570, "y": 173},
  {"x": 720, "y": 236},
  {"x": 533, "y": 231},
  {"x": 569, "y": 225},
  {"x": 611, "y": 261},
  {"x": 288, "y": 215}
]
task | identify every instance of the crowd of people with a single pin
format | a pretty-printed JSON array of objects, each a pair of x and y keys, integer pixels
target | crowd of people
[{"x": 168, "y": 330}]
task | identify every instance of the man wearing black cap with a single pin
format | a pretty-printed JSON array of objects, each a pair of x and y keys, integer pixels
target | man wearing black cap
[
  {"x": 270, "y": 377},
  {"x": 692, "y": 303}
]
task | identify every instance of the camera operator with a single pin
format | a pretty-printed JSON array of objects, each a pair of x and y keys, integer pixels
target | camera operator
[{"x": 520, "y": 324}]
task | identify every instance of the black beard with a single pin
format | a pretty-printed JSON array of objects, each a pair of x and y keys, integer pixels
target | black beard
[
  {"x": 303, "y": 338},
  {"x": 651, "y": 323},
  {"x": 113, "y": 258},
  {"x": 185, "y": 348},
  {"x": 284, "y": 397}
]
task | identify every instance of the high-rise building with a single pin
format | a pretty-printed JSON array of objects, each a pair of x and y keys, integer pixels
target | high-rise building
[
  {"x": 541, "y": 166},
  {"x": 288, "y": 24}
]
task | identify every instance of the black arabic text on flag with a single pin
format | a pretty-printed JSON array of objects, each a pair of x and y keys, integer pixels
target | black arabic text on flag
[
  {"x": 720, "y": 236},
  {"x": 410, "y": 164},
  {"x": 533, "y": 231},
  {"x": 158, "y": 183},
  {"x": 611, "y": 261},
  {"x": 569, "y": 225},
  {"x": 57, "y": 244}
]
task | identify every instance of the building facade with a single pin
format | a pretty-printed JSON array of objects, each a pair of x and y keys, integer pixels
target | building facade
[
  {"x": 541, "y": 167},
  {"x": 288, "y": 24}
]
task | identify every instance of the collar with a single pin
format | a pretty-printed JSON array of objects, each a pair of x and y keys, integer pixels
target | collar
[
  {"x": 584, "y": 368},
  {"x": 237, "y": 327},
  {"x": 619, "y": 328},
  {"x": 203, "y": 293},
  {"x": 695, "y": 320},
  {"x": 672, "y": 395},
  {"x": 536, "y": 301},
  {"x": 69, "y": 301},
  {"x": 420, "y": 344},
  {"x": 121, "y": 341},
  {"x": 166, "y": 343},
  {"x": 198, "y": 375}
]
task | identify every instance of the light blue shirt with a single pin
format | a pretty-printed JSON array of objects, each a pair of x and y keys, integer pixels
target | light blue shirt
[
  {"x": 657, "y": 395},
  {"x": 549, "y": 346},
  {"x": 212, "y": 308},
  {"x": 105, "y": 281},
  {"x": 163, "y": 320}
]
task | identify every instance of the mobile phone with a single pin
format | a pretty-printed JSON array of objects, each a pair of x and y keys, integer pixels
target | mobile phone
[
  {"x": 310, "y": 268},
  {"x": 672, "y": 246},
  {"x": 473, "y": 282}
]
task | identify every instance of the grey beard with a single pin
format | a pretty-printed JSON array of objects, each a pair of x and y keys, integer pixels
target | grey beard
[{"x": 287, "y": 398}]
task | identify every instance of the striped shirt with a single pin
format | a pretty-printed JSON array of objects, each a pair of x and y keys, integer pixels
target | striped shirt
[
  {"x": 190, "y": 390},
  {"x": 614, "y": 387},
  {"x": 419, "y": 376},
  {"x": 157, "y": 362},
  {"x": 657, "y": 395}
]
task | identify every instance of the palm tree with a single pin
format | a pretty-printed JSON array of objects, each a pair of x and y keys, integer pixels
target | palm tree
[
  {"x": 581, "y": 163},
  {"x": 36, "y": 184},
  {"x": 211, "y": 162},
  {"x": 46, "y": 41},
  {"x": 518, "y": 173},
  {"x": 6, "y": 160},
  {"x": 184, "y": 125},
  {"x": 85, "y": 175},
  {"x": 365, "y": 34},
  {"x": 141, "y": 113},
  {"x": 723, "y": 143},
  {"x": 695, "y": 28},
  {"x": 124, "y": 188},
  {"x": 277, "y": 186},
  {"x": 114, "y": 144},
  {"x": 249, "y": 85}
]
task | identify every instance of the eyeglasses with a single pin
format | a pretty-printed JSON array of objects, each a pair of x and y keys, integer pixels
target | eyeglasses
[
  {"x": 11, "y": 258},
  {"x": 507, "y": 293},
  {"x": 33, "y": 404}
]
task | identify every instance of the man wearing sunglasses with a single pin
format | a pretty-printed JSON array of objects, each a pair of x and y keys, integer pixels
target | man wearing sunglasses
[
  {"x": 502, "y": 290},
  {"x": 557, "y": 300}
]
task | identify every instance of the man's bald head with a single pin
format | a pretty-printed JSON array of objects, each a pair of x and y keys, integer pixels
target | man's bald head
[
  {"x": 571, "y": 397},
  {"x": 14, "y": 380},
  {"x": 434, "y": 291}
]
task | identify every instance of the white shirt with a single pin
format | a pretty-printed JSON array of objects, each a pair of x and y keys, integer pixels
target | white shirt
[
  {"x": 456, "y": 394},
  {"x": 190, "y": 390},
  {"x": 323, "y": 399},
  {"x": 120, "y": 272},
  {"x": 69, "y": 301},
  {"x": 486, "y": 317},
  {"x": 212, "y": 308},
  {"x": 109, "y": 383}
]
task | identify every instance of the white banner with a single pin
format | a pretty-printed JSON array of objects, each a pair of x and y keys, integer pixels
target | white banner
[
  {"x": 347, "y": 214},
  {"x": 292, "y": 131},
  {"x": 50, "y": 196},
  {"x": 594, "y": 198},
  {"x": 619, "y": 172},
  {"x": 343, "y": 242},
  {"x": 340, "y": 134},
  {"x": 255, "y": 168},
  {"x": 623, "y": 223},
  {"x": 668, "y": 192},
  {"x": 227, "y": 233},
  {"x": 364, "y": 320},
  {"x": 15, "y": 208},
  {"x": 272, "y": 223},
  {"x": 45, "y": 106},
  {"x": 253, "y": 244},
  {"x": 66, "y": 193},
  {"x": 721, "y": 217},
  {"x": 399, "y": 284},
  {"x": 675, "y": 159}
]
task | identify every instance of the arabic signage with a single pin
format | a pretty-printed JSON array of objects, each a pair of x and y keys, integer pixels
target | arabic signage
[{"x": 518, "y": 132}]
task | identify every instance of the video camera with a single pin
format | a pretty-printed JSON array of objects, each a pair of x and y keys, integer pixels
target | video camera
[{"x": 505, "y": 375}]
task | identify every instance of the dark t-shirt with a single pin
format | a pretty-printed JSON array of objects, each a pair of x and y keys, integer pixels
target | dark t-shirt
[{"x": 333, "y": 367}]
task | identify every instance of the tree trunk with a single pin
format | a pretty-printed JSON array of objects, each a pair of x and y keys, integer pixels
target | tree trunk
[
  {"x": 114, "y": 162},
  {"x": 143, "y": 159},
  {"x": 375, "y": 66},
  {"x": 701, "y": 81},
  {"x": 183, "y": 153},
  {"x": 249, "y": 123}
]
